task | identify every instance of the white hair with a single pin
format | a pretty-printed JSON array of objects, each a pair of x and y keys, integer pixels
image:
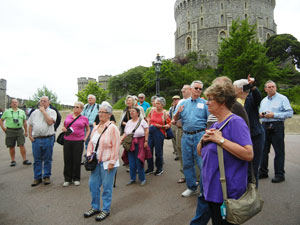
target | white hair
[
  {"x": 240, "y": 83},
  {"x": 196, "y": 82},
  {"x": 90, "y": 95}
]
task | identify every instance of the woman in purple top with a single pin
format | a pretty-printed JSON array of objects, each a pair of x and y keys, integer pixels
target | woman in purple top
[
  {"x": 74, "y": 143},
  {"x": 237, "y": 150}
]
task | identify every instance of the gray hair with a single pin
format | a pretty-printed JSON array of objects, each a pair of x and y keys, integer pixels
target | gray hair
[
  {"x": 90, "y": 95},
  {"x": 196, "y": 82},
  {"x": 240, "y": 83},
  {"x": 153, "y": 98},
  {"x": 80, "y": 104},
  {"x": 108, "y": 108},
  {"x": 270, "y": 81},
  {"x": 162, "y": 100},
  {"x": 105, "y": 103},
  {"x": 132, "y": 97}
]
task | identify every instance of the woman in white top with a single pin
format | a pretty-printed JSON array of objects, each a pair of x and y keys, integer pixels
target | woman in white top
[{"x": 139, "y": 150}]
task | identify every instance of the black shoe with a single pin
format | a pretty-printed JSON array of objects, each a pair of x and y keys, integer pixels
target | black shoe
[
  {"x": 158, "y": 172},
  {"x": 13, "y": 163},
  {"x": 148, "y": 172},
  {"x": 177, "y": 158},
  {"x": 26, "y": 162},
  {"x": 90, "y": 213},
  {"x": 47, "y": 181},
  {"x": 102, "y": 216},
  {"x": 278, "y": 179},
  {"x": 263, "y": 176},
  {"x": 36, "y": 182}
]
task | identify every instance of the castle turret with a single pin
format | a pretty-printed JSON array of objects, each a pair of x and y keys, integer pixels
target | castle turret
[
  {"x": 103, "y": 80},
  {"x": 83, "y": 81},
  {"x": 200, "y": 24}
]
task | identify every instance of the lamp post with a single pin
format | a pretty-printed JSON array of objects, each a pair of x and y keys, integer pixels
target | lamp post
[{"x": 157, "y": 65}]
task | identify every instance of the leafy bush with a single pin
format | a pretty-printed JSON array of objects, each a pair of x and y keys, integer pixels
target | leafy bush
[{"x": 296, "y": 108}]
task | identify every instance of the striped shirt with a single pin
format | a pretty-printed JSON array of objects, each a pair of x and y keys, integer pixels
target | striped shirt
[{"x": 109, "y": 144}]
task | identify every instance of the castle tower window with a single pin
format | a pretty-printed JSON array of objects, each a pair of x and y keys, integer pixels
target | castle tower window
[
  {"x": 267, "y": 20},
  {"x": 246, "y": 16},
  {"x": 268, "y": 36},
  {"x": 188, "y": 43},
  {"x": 245, "y": 5},
  {"x": 201, "y": 9},
  {"x": 222, "y": 19},
  {"x": 201, "y": 22},
  {"x": 222, "y": 6},
  {"x": 188, "y": 13},
  {"x": 222, "y": 35},
  {"x": 189, "y": 26}
]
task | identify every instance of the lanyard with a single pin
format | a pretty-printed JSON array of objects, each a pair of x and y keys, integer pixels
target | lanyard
[{"x": 12, "y": 114}]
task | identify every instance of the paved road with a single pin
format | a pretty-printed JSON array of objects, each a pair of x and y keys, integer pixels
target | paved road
[{"x": 157, "y": 203}]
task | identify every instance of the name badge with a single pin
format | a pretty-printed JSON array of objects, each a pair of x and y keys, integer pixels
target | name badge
[{"x": 200, "y": 105}]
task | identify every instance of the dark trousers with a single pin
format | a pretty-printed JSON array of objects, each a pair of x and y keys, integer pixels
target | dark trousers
[
  {"x": 72, "y": 160},
  {"x": 216, "y": 214},
  {"x": 274, "y": 136},
  {"x": 258, "y": 149},
  {"x": 156, "y": 141}
]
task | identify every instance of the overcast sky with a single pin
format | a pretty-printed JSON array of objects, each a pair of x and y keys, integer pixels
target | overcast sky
[{"x": 54, "y": 42}]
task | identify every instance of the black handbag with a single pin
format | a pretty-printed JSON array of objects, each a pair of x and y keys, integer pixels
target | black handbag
[
  {"x": 91, "y": 161},
  {"x": 126, "y": 143},
  {"x": 60, "y": 139}
]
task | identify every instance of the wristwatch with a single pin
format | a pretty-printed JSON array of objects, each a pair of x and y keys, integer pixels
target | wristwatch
[{"x": 222, "y": 141}]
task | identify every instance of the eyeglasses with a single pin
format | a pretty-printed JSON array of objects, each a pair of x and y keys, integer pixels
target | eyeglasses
[
  {"x": 210, "y": 99},
  {"x": 76, "y": 107},
  {"x": 198, "y": 89},
  {"x": 102, "y": 112}
]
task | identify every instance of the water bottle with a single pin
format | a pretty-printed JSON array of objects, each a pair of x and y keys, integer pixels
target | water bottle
[{"x": 223, "y": 211}]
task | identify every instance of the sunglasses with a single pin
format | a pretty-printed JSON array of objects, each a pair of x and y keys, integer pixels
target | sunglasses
[
  {"x": 197, "y": 88},
  {"x": 76, "y": 107},
  {"x": 102, "y": 112}
]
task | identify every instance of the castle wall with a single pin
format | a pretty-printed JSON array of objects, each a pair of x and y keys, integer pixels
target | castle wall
[
  {"x": 2, "y": 94},
  {"x": 201, "y": 23}
]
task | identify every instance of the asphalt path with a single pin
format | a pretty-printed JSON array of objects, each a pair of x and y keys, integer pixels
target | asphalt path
[{"x": 159, "y": 202}]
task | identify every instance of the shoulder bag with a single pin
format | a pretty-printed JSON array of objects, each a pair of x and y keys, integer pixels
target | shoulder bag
[
  {"x": 128, "y": 139},
  {"x": 91, "y": 161},
  {"x": 238, "y": 211},
  {"x": 169, "y": 133},
  {"x": 60, "y": 139}
]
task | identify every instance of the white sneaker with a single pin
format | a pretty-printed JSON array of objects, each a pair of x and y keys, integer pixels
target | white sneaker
[
  {"x": 76, "y": 183},
  {"x": 66, "y": 184},
  {"x": 188, "y": 193}
]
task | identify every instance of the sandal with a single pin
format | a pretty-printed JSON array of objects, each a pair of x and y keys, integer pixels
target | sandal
[
  {"x": 102, "y": 216},
  {"x": 90, "y": 213}
]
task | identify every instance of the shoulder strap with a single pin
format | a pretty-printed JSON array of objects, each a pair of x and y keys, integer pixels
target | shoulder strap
[
  {"x": 136, "y": 127},
  {"x": 96, "y": 148},
  {"x": 73, "y": 121},
  {"x": 221, "y": 164}
]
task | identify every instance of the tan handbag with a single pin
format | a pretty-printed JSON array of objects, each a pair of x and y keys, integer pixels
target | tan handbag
[
  {"x": 240, "y": 210},
  {"x": 128, "y": 139}
]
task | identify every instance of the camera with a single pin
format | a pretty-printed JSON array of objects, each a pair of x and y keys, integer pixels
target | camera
[
  {"x": 263, "y": 113},
  {"x": 16, "y": 120},
  {"x": 69, "y": 131}
]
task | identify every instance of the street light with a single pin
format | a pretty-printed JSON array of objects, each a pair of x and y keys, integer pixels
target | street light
[{"x": 157, "y": 65}]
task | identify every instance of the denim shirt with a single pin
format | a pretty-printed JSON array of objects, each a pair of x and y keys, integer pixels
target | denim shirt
[
  {"x": 279, "y": 105},
  {"x": 194, "y": 115}
]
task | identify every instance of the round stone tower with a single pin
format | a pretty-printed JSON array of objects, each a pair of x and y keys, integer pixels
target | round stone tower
[
  {"x": 3, "y": 94},
  {"x": 200, "y": 24}
]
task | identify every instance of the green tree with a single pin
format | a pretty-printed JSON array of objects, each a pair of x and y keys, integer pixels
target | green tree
[
  {"x": 241, "y": 54},
  {"x": 44, "y": 91},
  {"x": 284, "y": 47},
  {"x": 93, "y": 88}
]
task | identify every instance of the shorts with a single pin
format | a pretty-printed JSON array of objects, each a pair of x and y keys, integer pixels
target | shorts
[{"x": 13, "y": 136}]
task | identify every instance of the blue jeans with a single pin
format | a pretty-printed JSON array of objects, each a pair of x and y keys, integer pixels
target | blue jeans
[
  {"x": 100, "y": 177},
  {"x": 88, "y": 139},
  {"x": 189, "y": 144},
  {"x": 136, "y": 164},
  {"x": 203, "y": 213},
  {"x": 156, "y": 141},
  {"x": 42, "y": 149}
]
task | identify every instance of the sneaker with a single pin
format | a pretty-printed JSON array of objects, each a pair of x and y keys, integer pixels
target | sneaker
[
  {"x": 47, "y": 181},
  {"x": 76, "y": 183},
  {"x": 26, "y": 162},
  {"x": 13, "y": 163},
  {"x": 90, "y": 213},
  {"x": 143, "y": 183},
  {"x": 148, "y": 172},
  {"x": 188, "y": 193},
  {"x": 36, "y": 182},
  {"x": 102, "y": 216},
  {"x": 158, "y": 172},
  {"x": 130, "y": 182},
  {"x": 66, "y": 184}
]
